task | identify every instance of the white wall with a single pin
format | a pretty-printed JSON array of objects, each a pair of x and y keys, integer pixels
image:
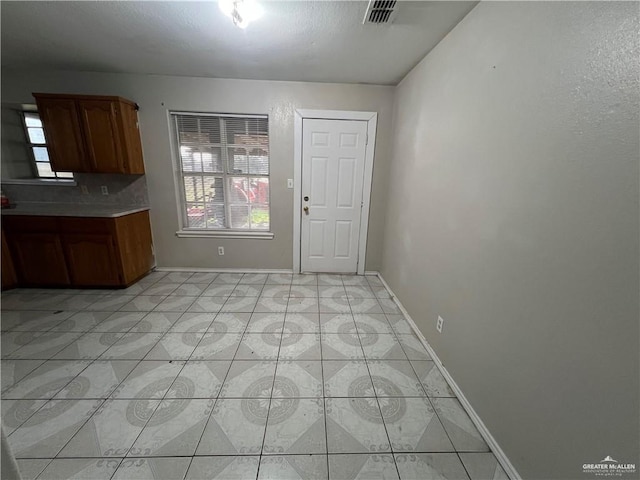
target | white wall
[
  {"x": 16, "y": 162},
  {"x": 158, "y": 94},
  {"x": 513, "y": 213}
]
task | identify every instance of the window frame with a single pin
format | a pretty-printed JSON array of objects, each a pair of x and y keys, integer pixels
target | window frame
[
  {"x": 179, "y": 175},
  {"x": 57, "y": 176}
]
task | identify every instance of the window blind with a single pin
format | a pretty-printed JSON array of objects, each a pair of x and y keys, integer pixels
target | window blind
[{"x": 224, "y": 168}]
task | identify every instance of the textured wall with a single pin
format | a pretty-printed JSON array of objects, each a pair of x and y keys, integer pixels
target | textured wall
[
  {"x": 15, "y": 159},
  {"x": 513, "y": 213},
  {"x": 156, "y": 95}
]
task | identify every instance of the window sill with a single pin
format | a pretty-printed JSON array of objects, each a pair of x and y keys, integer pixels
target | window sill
[{"x": 224, "y": 234}]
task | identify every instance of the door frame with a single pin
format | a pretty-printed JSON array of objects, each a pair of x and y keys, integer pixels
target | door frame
[{"x": 372, "y": 120}]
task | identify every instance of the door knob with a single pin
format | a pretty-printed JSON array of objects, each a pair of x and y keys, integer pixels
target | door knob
[{"x": 306, "y": 210}]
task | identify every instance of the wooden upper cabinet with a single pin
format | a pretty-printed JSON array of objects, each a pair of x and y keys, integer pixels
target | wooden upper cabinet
[
  {"x": 64, "y": 135},
  {"x": 130, "y": 133},
  {"x": 104, "y": 133},
  {"x": 100, "y": 123}
]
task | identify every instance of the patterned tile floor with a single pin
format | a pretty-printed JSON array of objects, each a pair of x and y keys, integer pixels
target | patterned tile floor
[{"x": 228, "y": 376}]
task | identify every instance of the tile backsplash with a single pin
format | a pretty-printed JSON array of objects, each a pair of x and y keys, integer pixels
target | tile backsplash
[{"x": 124, "y": 190}]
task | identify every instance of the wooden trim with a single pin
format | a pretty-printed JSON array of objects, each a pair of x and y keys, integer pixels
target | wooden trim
[{"x": 111, "y": 98}]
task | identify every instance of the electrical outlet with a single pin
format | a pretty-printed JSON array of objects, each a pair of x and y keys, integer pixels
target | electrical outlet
[
  {"x": 104, "y": 189},
  {"x": 439, "y": 324},
  {"x": 220, "y": 250},
  {"x": 289, "y": 182},
  {"x": 84, "y": 189}
]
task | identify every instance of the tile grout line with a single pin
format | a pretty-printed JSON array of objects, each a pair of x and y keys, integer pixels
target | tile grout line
[
  {"x": 122, "y": 359},
  {"x": 464, "y": 466},
  {"x": 14, "y": 384},
  {"x": 53, "y": 312},
  {"x": 395, "y": 335},
  {"x": 37, "y": 335},
  {"x": 427, "y": 397},
  {"x": 29, "y": 417},
  {"x": 74, "y": 312},
  {"x": 90, "y": 361},
  {"x": 221, "y": 385},
  {"x": 266, "y": 425},
  {"x": 100, "y": 405},
  {"x": 103, "y": 401},
  {"x": 324, "y": 398},
  {"x": 244, "y": 331},
  {"x": 165, "y": 394},
  {"x": 164, "y": 297},
  {"x": 47, "y": 466},
  {"x": 116, "y": 469},
  {"x": 216, "y": 399},
  {"x": 172, "y": 383},
  {"x": 386, "y": 431}
]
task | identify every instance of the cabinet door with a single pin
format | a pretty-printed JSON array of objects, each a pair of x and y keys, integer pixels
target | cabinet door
[
  {"x": 92, "y": 259},
  {"x": 9, "y": 278},
  {"x": 100, "y": 122},
  {"x": 38, "y": 258},
  {"x": 133, "y": 233},
  {"x": 132, "y": 145},
  {"x": 63, "y": 132}
]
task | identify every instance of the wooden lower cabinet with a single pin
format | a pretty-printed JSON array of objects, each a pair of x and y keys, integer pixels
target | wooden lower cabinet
[
  {"x": 9, "y": 279},
  {"x": 39, "y": 259},
  {"x": 134, "y": 246},
  {"x": 79, "y": 251},
  {"x": 91, "y": 259}
]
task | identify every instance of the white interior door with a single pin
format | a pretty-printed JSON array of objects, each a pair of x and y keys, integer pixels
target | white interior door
[{"x": 333, "y": 159}]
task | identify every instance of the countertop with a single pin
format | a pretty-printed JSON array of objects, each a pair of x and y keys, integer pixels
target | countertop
[{"x": 71, "y": 210}]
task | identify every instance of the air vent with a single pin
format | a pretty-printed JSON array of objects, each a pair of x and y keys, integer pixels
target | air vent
[{"x": 380, "y": 11}]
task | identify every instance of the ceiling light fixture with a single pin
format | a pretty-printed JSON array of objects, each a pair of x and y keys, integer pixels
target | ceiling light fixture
[{"x": 242, "y": 12}]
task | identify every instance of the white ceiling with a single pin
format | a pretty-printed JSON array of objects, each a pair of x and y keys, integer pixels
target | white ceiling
[{"x": 321, "y": 41}]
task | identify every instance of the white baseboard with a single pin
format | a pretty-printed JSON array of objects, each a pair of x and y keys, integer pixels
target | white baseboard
[
  {"x": 222, "y": 270},
  {"x": 235, "y": 270},
  {"x": 475, "y": 418}
]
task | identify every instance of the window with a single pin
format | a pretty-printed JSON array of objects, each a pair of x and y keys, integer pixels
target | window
[
  {"x": 38, "y": 146},
  {"x": 223, "y": 165}
]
